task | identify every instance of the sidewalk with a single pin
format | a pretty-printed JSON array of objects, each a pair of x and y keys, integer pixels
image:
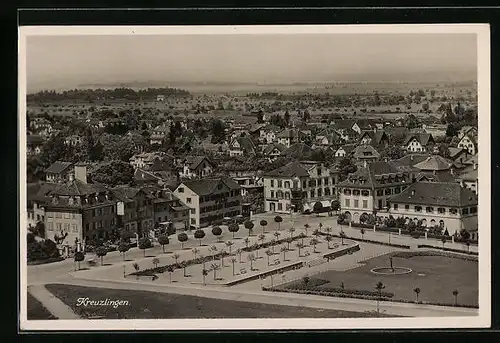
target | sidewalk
[{"x": 55, "y": 306}]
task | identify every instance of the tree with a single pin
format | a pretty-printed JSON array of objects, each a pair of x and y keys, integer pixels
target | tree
[
  {"x": 278, "y": 220},
  {"x": 170, "y": 270},
  {"x": 233, "y": 261},
  {"x": 417, "y": 292},
  {"x": 184, "y": 266},
  {"x": 144, "y": 243},
  {"x": 467, "y": 243},
  {"x": 379, "y": 287},
  {"x": 284, "y": 249},
  {"x": 363, "y": 218},
  {"x": 113, "y": 173},
  {"x": 199, "y": 235},
  {"x": 229, "y": 244},
  {"x": 342, "y": 236},
  {"x": 249, "y": 226},
  {"x": 163, "y": 240},
  {"x": 246, "y": 241},
  {"x": 318, "y": 207},
  {"x": 155, "y": 262},
  {"x": 217, "y": 231},
  {"x": 262, "y": 237},
  {"x": 233, "y": 228},
  {"x": 451, "y": 130},
  {"x": 277, "y": 235},
  {"x": 182, "y": 238},
  {"x": 302, "y": 236},
  {"x": 314, "y": 242},
  {"x": 362, "y": 233},
  {"x": 195, "y": 252},
  {"x": 291, "y": 230},
  {"x": 306, "y": 226},
  {"x": 269, "y": 253},
  {"x": 251, "y": 258},
  {"x": 263, "y": 224},
  {"x": 455, "y": 294},
  {"x": 101, "y": 252},
  {"x": 329, "y": 239},
  {"x": 299, "y": 246},
  {"x": 123, "y": 248},
  {"x": 239, "y": 252},
  {"x": 204, "y": 273},
  {"x": 79, "y": 257},
  {"x": 176, "y": 256},
  {"x": 287, "y": 118}
]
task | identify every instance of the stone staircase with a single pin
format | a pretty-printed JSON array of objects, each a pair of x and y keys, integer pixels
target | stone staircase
[{"x": 315, "y": 262}]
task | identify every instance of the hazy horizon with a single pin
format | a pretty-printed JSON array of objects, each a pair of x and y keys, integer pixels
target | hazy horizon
[{"x": 65, "y": 62}]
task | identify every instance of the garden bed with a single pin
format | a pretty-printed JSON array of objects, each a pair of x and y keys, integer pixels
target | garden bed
[{"x": 449, "y": 250}]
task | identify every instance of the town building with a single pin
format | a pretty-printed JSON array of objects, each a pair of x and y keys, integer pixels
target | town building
[
  {"x": 59, "y": 171},
  {"x": 195, "y": 167},
  {"x": 168, "y": 209},
  {"x": 158, "y": 134},
  {"x": 297, "y": 186},
  {"x": 468, "y": 141},
  {"x": 34, "y": 145},
  {"x": 79, "y": 211},
  {"x": 146, "y": 159},
  {"x": 287, "y": 137},
  {"x": 273, "y": 151},
  {"x": 345, "y": 150},
  {"x": 370, "y": 188},
  {"x": 419, "y": 142},
  {"x": 134, "y": 210},
  {"x": 241, "y": 146},
  {"x": 446, "y": 205},
  {"x": 378, "y": 138},
  {"x": 210, "y": 200},
  {"x": 327, "y": 138},
  {"x": 364, "y": 153},
  {"x": 73, "y": 140}
]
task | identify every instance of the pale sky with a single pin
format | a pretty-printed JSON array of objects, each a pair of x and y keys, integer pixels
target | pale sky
[{"x": 67, "y": 61}]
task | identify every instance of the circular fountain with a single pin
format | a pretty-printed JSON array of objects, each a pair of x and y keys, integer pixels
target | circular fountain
[{"x": 391, "y": 270}]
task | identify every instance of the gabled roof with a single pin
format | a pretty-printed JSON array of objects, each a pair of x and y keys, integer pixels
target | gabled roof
[
  {"x": 423, "y": 138},
  {"x": 373, "y": 175},
  {"x": 434, "y": 162},
  {"x": 298, "y": 149},
  {"x": 143, "y": 175},
  {"x": 271, "y": 147},
  {"x": 441, "y": 176},
  {"x": 455, "y": 152},
  {"x": 245, "y": 143},
  {"x": 471, "y": 175},
  {"x": 376, "y": 136},
  {"x": 348, "y": 148},
  {"x": 411, "y": 159},
  {"x": 59, "y": 167},
  {"x": 436, "y": 194},
  {"x": 292, "y": 169},
  {"x": 343, "y": 124},
  {"x": 125, "y": 194},
  {"x": 194, "y": 161},
  {"x": 208, "y": 186},
  {"x": 288, "y": 133},
  {"x": 365, "y": 151},
  {"x": 40, "y": 191},
  {"x": 256, "y": 127}
]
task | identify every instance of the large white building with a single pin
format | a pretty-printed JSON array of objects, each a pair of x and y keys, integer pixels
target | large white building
[{"x": 297, "y": 186}]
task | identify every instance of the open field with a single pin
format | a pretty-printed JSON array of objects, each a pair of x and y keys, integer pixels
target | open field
[
  {"x": 36, "y": 310},
  {"x": 149, "y": 305},
  {"x": 436, "y": 276}
]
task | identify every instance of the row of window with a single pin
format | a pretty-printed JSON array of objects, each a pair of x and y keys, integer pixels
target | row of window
[
  {"x": 214, "y": 217},
  {"x": 356, "y": 203},
  {"x": 64, "y": 215},
  {"x": 379, "y": 192},
  {"x": 312, "y": 193},
  {"x": 217, "y": 207},
  {"x": 440, "y": 210},
  {"x": 311, "y": 183},
  {"x": 100, "y": 224},
  {"x": 61, "y": 227},
  {"x": 31, "y": 215}
]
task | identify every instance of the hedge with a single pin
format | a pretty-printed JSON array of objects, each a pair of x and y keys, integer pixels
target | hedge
[
  {"x": 447, "y": 249},
  {"x": 370, "y": 241},
  {"x": 342, "y": 252},
  {"x": 294, "y": 266},
  {"x": 310, "y": 287},
  {"x": 365, "y": 297},
  {"x": 410, "y": 254},
  {"x": 45, "y": 261}
]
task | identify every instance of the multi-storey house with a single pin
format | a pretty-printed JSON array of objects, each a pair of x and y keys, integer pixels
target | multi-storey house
[
  {"x": 195, "y": 167},
  {"x": 134, "y": 210},
  {"x": 297, "y": 186}
]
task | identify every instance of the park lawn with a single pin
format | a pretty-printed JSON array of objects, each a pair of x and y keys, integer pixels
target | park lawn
[
  {"x": 35, "y": 309},
  {"x": 440, "y": 276},
  {"x": 154, "y": 305}
]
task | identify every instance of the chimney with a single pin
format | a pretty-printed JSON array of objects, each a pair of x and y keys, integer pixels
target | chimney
[
  {"x": 412, "y": 192},
  {"x": 365, "y": 164},
  {"x": 81, "y": 173},
  {"x": 452, "y": 171},
  {"x": 474, "y": 166},
  {"x": 411, "y": 157}
]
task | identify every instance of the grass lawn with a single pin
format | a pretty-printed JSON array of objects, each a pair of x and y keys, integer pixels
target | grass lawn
[
  {"x": 436, "y": 276},
  {"x": 146, "y": 305},
  {"x": 36, "y": 310}
]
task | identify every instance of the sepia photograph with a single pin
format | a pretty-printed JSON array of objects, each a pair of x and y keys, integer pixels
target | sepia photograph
[{"x": 254, "y": 177}]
